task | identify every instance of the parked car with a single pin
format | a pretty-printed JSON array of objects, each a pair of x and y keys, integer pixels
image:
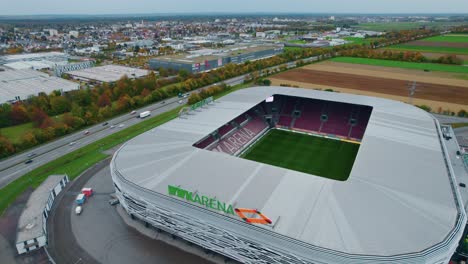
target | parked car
[
  {"x": 105, "y": 124},
  {"x": 113, "y": 201},
  {"x": 78, "y": 210},
  {"x": 86, "y": 132},
  {"x": 111, "y": 127},
  {"x": 28, "y": 161},
  {"x": 180, "y": 102},
  {"x": 133, "y": 112}
]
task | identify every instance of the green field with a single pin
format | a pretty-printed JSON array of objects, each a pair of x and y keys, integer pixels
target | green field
[
  {"x": 448, "y": 38},
  {"x": 404, "y": 65},
  {"x": 324, "y": 157},
  {"x": 14, "y": 133},
  {"x": 361, "y": 40},
  {"x": 395, "y": 26},
  {"x": 445, "y": 50}
]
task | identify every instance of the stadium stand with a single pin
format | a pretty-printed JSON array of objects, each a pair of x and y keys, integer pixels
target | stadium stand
[
  {"x": 310, "y": 115},
  {"x": 224, "y": 130},
  {"x": 205, "y": 142},
  {"x": 338, "y": 119}
]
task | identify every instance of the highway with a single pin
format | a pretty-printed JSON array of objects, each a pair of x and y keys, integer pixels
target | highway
[{"x": 14, "y": 167}]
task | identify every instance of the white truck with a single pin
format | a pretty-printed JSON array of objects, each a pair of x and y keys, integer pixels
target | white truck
[{"x": 144, "y": 114}]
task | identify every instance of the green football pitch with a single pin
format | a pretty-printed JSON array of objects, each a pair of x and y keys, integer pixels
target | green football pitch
[{"x": 319, "y": 156}]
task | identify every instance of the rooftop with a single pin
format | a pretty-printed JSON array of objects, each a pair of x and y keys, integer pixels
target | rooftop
[
  {"x": 108, "y": 73},
  {"x": 26, "y": 82},
  {"x": 200, "y": 56},
  {"x": 398, "y": 198}
]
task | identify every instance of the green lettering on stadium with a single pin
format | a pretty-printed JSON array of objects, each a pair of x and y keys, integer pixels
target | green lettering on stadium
[
  {"x": 202, "y": 200},
  {"x": 201, "y": 103}
]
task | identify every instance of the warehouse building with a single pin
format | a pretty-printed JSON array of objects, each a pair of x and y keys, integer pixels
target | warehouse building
[
  {"x": 209, "y": 59},
  {"x": 17, "y": 85},
  {"x": 34, "y": 61},
  {"x": 107, "y": 73}
]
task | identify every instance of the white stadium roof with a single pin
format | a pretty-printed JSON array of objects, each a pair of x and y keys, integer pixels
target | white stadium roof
[{"x": 398, "y": 199}]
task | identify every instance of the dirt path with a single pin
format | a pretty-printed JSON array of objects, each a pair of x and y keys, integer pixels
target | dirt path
[{"x": 444, "y": 78}]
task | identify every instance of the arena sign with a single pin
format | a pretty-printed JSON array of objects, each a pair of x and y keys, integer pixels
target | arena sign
[{"x": 255, "y": 216}]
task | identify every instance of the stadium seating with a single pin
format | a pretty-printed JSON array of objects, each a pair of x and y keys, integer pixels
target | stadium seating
[
  {"x": 205, "y": 143},
  {"x": 358, "y": 130},
  {"x": 337, "y": 123},
  {"x": 288, "y": 106},
  {"x": 224, "y": 130},
  {"x": 285, "y": 121},
  {"x": 310, "y": 116},
  {"x": 236, "y": 140}
]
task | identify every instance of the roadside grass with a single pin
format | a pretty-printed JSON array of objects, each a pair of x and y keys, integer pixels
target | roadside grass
[
  {"x": 457, "y": 125},
  {"x": 448, "y": 38},
  {"x": 76, "y": 162},
  {"x": 446, "y": 50},
  {"x": 404, "y": 65}
]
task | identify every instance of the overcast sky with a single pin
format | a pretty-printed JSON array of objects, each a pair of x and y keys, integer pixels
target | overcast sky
[{"x": 40, "y": 7}]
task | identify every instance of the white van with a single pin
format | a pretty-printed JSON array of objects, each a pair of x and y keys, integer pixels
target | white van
[{"x": 78, "y": 210}]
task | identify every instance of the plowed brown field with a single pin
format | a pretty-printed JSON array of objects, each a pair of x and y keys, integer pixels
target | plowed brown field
[{"x": 427, "y": 91}]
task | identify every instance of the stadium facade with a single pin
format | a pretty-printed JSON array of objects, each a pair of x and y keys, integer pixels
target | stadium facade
[
  {"x": 207, "y": 59},
  {"x": 400, "y": 203}
]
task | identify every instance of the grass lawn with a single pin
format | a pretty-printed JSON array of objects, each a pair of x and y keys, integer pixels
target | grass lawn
[
  {"x": 393, "y": 26},
  {"x": 404, "y": 65},
  {"x": 457, "y": 125},
  {"x": 449, "y": 38},
  {"x": 324, "y": 157},
  {"x": 297, "y": 41},
  {"x": 15, "y": 133},
  {"x": 446, "y": 50},
  {"x": 361, "y": 40}
]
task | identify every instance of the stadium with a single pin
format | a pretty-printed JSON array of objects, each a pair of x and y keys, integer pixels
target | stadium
[{"x": 286, "y": 175}]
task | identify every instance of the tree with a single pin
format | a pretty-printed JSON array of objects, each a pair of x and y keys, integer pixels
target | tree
[
  {"x": 6, "y": 147},
  {"x": 5, "y": 112},
  {"x": 38, "y": 116},
  {"x": 462, "y": 113},
  {"x": 59, "y": 105},
  {"x": 104, "y": 100},
  {"x": 194, "y": 98},
  {"x": 28, "y": 140},
  {"x": 19, "y": 114}
]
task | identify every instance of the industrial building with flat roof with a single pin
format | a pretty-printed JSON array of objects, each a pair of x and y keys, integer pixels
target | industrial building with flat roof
[
  {"x": 209, "y": 59},
  {"x": 400, "y": 204},
  {"x": 107, "y": 73},
  {"x": 16, "y": 85}
]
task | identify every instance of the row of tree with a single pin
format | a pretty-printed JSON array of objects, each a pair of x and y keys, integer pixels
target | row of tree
[{"x": 408, "y": 56}]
